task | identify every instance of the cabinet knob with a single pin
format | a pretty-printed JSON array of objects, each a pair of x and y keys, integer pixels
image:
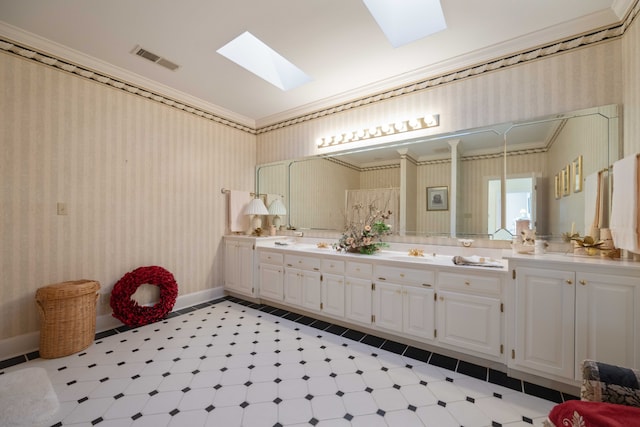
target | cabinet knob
[
  {"x": 427, "y": 285},
  {"x": 381, "y": 278},
  {"x": 466, "y": 282},
  {"x": 401, "y": 274},
  {"x": 569, "y": 282},
  {"x": 583, "y": 282}
]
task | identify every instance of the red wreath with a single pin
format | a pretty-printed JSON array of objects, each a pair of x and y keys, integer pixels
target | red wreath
[{"x": 129, "y": 311}]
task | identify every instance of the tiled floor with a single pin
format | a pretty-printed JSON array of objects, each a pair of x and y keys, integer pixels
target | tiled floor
[{"x": 232, "y": 363}]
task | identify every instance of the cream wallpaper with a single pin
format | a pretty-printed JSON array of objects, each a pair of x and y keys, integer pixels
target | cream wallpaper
[
  {"x": 631, "y": 83},
  {"x": 140, "y": 180}
]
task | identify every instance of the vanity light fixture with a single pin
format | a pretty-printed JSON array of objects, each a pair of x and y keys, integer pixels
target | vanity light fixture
[{"x": 428, "y": 121}]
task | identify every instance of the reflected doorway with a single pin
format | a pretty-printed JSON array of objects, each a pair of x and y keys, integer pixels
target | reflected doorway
[{"x": 520, "y": 203}]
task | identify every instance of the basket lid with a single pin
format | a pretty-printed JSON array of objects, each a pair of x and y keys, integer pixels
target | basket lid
[{"x": 69, "y": 289}]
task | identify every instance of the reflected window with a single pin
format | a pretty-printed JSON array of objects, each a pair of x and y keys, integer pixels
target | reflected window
[{"x": 519, "y": 204}]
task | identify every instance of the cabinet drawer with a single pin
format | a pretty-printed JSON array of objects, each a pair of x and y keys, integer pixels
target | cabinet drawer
[
  {"x": 302, "y": 262},
  {"x": 403, "y": 275},
  {"x": 471, "y": 283},
  {"x": 271, "y": 258},
  {"x": 332, "y": 266},
  {"x": 359, "y": 269}
]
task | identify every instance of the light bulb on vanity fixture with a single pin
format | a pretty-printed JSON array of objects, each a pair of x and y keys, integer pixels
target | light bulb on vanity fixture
[
  {"x": 256, "y": 208},
  {"x": 276, "y": 208}
]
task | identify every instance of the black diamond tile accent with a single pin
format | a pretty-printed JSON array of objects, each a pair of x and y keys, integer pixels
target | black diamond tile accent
[
  {"x": 449, "y": 379},
  {"x": 306, "y": 378},
  {"x": 217, "y": 386},
  {"x": 251, "y": 366},
  {"x": 408, "y": 366},
  {"x": 351, "y": 357},
  {"x": 223, "y": 369},
  {"x": 248, "y": 383},
  {"x": 302, "y": 362},
  {"x": 336, "y": 329},
  {"x": 244, "y": 404},
  {"x": 412, "y": 408},
  {"x": 209, "y": 408},
  {"x": 84, "y": 399},
  {"x": 423, "y": 382},
  {"x": 277, "y": 364},
  {"x": 368, "y": 390},
  {"x": 104, "y": 379},
  {"x": 441, "y": 403},
  {"x": 495, "y": 424},
  {"x": 277, "y": 380},
  {"x": 97, "y": 421},
  {"x": 472, "y": 370},
  {"x": 59, "y": 369},
  {"x": 394, "y": 347},
  {"x": 384, "y": 368},
  {"x": 72, "y": 382},
  {"x": 332, "y": 375},
  {"x": 373, "y": 341},
  {"x": 58, "y": 424},
  {"x": 500, "y": 378},
  {"x": 118, "y": 396},
  {"x": 313, "y": 421},
  {"x": 277, "y": 400},
  {"x": 354, "y": 335},
  {"x": 93, "y": 365},
  {"x": 359, "y": 372},
  {"x": 149, "y": 361},
  {"x": 327, "y": 360},
  {"x": 186, "y": 390},
  {"x": 277, "y": 425},
  {"x": 309, "y": 396},
  {"x": 471, "y": 399},
  {"x": 136, "y": 416},
  {"x": 396, "y": 386},
  {"x": 443, "y": 361},
  {"x": 196, "y": 372},
  {"x": 542, "y": 392},
  {"x": 339, "y": 393},
  {"x": 153, "y": 393},
  {"x": 174, "y": 412},
  {"x": 166, "y": 374},
  {"x": 135, "y": 377},
  {"x": 380, "y": 412},
  {"x": 527, "y": 420},
  {"x": 497, "y": 395}
]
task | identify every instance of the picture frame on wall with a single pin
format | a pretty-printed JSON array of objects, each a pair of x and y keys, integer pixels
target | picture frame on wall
[
  {"x": 438, "y": 198},
  {"x": 577, "y": 174},
  {"x": 557, "y": 188}
]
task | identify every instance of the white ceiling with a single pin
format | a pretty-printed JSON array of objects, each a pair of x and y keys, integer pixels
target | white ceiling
[{"x": 336, "y": 42}]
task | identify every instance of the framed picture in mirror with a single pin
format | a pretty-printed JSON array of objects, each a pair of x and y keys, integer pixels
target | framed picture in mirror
[
  {"x": 557, "y": 188},
  {"x": 438, "y": 198},
  {"x": 566, "y": 183},
  {"x": 577, "y": 174}
]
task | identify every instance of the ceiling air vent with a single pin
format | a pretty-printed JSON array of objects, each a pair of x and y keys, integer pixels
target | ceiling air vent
[{"x": 155, "y": 58}]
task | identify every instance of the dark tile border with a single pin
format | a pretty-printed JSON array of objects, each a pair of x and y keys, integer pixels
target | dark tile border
[{"x": 446, "y": 362}]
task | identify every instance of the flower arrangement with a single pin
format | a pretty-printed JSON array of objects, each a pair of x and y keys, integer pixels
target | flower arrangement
[{"x": 364, "y": 235}]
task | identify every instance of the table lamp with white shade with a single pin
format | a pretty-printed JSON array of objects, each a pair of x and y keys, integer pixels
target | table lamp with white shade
[
  {"x": 277, "y": 208},
  {"x": 256, "y": 208}
]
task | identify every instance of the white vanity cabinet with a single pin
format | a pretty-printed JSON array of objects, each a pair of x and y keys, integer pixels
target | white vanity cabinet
[
  {"x": 470, "y": 312},
  {"x": 358, "y": 286},
  {"x": 332, "y": 287},
  {"x": 239, "y": 265},
  {"x": 567, "y": 312},
  {"x": 270, "y": 273},
  {"x": 302, "y": 285},
  {"x": 403, "y": 301}
]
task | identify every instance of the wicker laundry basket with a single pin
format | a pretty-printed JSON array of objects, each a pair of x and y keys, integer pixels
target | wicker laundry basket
[{"x": 68, "y": 314}]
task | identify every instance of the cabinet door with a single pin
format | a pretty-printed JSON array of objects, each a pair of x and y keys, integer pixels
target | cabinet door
[
  {"x": 419, "y": 312},
  {"x": 293, "y": 286},
  {"x": 470, "y": 322},
  {"x": 333, "y": 295},
  {"x": 239, "y": 267},
  {"x": 271, "y": 281},
  {"x": 311, "y": 290},
  {"x": 606, "y": 323},
  {"x": 358, "y": 300},
  {"x": 387, "y": 306},
  {"x": 544, "y": 330}
]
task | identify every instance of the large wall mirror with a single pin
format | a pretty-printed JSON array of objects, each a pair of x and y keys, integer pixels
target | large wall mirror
[{"x": 550, "y": 173}]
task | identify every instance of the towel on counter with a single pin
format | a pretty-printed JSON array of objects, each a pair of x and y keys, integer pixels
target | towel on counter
[
  {"x": 624, "y": 204},
  {"x": 238, "y": 201},
  {"x": 477, "y": 261}
]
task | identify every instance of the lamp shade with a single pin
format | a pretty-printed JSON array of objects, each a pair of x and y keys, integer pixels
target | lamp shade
[
  {"x": 256, "y": 207},
  {"x": 277, "y": 208}
]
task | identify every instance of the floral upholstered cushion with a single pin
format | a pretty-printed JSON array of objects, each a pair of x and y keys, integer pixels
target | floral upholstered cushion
[
  {"x": 602, "y": 382},
  {"x": 576, "y": 413}
]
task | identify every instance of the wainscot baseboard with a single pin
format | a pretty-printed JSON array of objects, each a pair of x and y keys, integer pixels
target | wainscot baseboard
[{"x": 30, "y": 342}]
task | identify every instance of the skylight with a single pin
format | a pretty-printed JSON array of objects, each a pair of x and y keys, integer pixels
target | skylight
[
  {"x": 406, "y": 21},
  {"x": 254, "y": 55}
]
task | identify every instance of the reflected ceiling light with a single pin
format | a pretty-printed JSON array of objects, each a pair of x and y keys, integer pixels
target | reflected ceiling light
[
  {"x": 428, "y": 121},
  {"x": 406, "y": 21},
  {"x": 254, "y": 55}
]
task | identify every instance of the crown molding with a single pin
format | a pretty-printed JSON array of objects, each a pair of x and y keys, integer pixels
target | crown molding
[{"x": 43, "y": 50}]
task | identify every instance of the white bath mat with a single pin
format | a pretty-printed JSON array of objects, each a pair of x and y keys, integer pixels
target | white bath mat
[{"x": 27, "y": 398}]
